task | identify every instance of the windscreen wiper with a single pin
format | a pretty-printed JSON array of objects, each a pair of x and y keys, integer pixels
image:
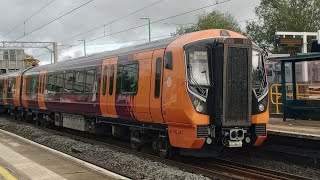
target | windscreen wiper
[{"x": 193, "y": 81}]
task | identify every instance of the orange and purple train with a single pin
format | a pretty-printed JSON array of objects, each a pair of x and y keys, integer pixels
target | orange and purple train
[{"x": 199, "y": 90}]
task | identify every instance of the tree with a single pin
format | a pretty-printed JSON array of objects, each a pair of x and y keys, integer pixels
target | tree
[
  {"x": 213, "y": 20},
  {"x": 31, "y": 61},
  {"x": 284, "y": 15}
]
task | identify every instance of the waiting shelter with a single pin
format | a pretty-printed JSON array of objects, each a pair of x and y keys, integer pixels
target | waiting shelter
[{"x": 300, "y": 102}]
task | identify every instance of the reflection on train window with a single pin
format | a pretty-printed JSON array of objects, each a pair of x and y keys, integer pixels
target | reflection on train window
[
  {"x": 34, "y": 85},
  {"x": 59, "y": 82},
  {"x": 129, "y": 78},
  {"x": 111, "y": 79},
  {"x": 79, "y": 84},
  {"x": 11, "y": 86},
  {"x": 157, "y": 78},
  {"x": 50, "y": 84},
  {"x": 90, "y": 78},
  {"x": 168, "y": 60},
  {"x": 68, "y": 82}
]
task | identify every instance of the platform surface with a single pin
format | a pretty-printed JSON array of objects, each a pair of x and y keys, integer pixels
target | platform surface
[
  {"x": 22, "y": 160},
  {"x": 295, "y": 128}
]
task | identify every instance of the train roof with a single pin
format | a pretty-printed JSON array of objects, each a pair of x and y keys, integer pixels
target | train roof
[{"x": 95, "y": 59}]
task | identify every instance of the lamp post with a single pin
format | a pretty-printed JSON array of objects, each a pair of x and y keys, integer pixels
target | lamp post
[
  {"x": 148, "y": 26},
  {"x": 84, "y": 46}
]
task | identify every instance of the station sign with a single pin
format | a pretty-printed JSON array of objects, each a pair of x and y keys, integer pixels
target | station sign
[{"x": 289, "y": 42}]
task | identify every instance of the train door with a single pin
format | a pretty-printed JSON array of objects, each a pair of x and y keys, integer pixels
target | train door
[
  {"x": 41, "y": 90},
  {"x": 24, "y": 91},
  {"x": 104, "y": 87},
  {"x": 16, "y": 95},
  {"x": 156, "y": 85},
  {"x": 172, "y": 89}
]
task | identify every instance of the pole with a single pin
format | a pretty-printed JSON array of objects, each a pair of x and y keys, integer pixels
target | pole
[
  {"x": 305, "y": 63},
  {"x": 55, "y": 52},
  {"x": 84, "y": 47},
  {"x": 149, "y": 29}
]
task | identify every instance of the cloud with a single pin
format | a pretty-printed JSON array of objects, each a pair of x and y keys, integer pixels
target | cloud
[{"x": 100, "y": 12}]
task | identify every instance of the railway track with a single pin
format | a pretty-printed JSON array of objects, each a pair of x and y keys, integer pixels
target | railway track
[{"x": 214, "y": 168}]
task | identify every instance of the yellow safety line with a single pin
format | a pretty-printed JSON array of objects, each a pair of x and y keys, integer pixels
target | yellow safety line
[{"x": 6, "y": 174}]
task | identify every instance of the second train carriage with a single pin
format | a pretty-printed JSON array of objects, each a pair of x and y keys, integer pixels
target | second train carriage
[{"x": 206, "y": 88}]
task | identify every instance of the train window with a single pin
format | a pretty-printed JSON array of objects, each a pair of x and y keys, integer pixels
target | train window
[
  {"x": 29, "y": 84},
  {"x": 168, "y": 60},
  {"x": 157, "y": 78},
  {"x": 59, "y": 83},
  {"x": 1, "y": 86},
  {"x": 50, "y": 82},
  {"x": 79, "y": 82},
  {"x": 129, "y": 82},
  {"x": 111, "y": 79},
  {"x": 11, "y": 85},
  {"x": 68, "y": 82},
  {"x": 104, "y": 84},
  {"x": 34, "y": 84},
  {"x": 90, "y": 79}
]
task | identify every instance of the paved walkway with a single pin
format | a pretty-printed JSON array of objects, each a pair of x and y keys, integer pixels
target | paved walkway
[
  {"x": 20, "y": 159},
  {"x": 295, "y": 128}
]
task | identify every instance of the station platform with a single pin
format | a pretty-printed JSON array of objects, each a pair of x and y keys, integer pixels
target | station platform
[
  {"x": 24, "y": 159},
  {"x": 294, "y": 128}
]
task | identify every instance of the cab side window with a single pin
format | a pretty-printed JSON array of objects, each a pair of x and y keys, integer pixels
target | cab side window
[{"x": 168, "y": 60}]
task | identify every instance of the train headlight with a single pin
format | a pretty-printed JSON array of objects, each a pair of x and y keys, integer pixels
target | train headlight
[
  {"x": 261, "y": 107},
  {"x": 199, "y": 105}
]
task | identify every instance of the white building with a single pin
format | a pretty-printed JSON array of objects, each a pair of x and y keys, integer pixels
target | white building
[{"x": 12, "y": 60}]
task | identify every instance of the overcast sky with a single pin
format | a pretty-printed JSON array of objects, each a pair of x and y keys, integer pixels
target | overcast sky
[{"x": 100, "y": 12}]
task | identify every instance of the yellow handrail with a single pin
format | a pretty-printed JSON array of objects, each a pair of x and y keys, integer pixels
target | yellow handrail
[{"x": 310, "y": 93}]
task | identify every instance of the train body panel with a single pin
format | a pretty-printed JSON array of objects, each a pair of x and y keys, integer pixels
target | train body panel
[{"x": 203, "y": 87}]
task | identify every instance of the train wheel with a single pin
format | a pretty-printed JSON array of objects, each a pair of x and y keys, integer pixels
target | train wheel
[
  {"x": 165, "y": 149},
  {"x": 136, "y": 140}
]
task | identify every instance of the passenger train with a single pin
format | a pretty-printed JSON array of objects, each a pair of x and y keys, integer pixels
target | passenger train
[{"x": 190, "y": 92}]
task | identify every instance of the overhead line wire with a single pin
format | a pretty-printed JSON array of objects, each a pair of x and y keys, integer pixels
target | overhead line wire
[
  {"x": 136, "y": 27},
  {"x": 54, "y": 19},
  {"x": 113, "y": 21},
  {"x": 28, "y": 18}
]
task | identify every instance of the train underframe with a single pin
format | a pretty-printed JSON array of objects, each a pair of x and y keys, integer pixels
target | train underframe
[{"x": 217, "y": 139}]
